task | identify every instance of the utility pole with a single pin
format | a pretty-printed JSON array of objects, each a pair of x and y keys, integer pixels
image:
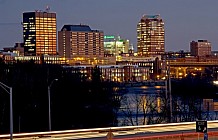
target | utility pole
[
  {"x": 170, "y": 95},
  {"x": 168, "y": 89},
  {"x": 49, "y": 103},
  {"x": 11, "y": 107}
]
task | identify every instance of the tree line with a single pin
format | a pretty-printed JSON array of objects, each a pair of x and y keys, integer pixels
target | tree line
[
  {"x": 76, "y": 101},
  {"x": 187, "y": 103}
]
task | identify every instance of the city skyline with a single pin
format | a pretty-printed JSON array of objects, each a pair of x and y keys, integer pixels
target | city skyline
[{"x": 185, "y": 21}]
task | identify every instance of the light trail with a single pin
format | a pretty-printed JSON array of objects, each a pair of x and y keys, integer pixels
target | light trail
[{"x": 102, "y": 132}]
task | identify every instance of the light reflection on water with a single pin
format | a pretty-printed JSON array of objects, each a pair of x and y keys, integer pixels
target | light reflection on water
[
  {"x": 135, "y": 103},
  {"x": 137, "y": 98}
]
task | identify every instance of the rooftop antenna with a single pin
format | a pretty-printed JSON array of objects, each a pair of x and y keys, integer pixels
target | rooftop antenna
[{"x": 47, "y": 9}]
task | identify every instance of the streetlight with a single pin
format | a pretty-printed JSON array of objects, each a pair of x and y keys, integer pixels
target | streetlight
[
  {"x": 49, "y": 104},
  {"x": 168, "y": 88},
  {"x": 11, "y": 107}
]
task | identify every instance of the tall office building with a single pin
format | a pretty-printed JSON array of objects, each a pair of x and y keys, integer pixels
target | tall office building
[
  {"x": 80, "y": 41},
  {"x": 200, "y": 48},
  {"x": 39, "y": 33},
  {"x": 150, "y": 36}
]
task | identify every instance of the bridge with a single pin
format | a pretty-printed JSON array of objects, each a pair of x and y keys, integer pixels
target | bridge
[
  {"x": 171, "y": 131},
  {"x": 193, "y": 64},
  {"x": 180, "y": 69}
]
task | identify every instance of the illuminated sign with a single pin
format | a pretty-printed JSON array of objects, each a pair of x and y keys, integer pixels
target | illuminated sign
[
  {"x": 201, "y": 126},
  {"x": 108, "y": 37}
]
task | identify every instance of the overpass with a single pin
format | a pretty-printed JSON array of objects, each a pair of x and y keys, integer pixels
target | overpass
[
  {"x": 193, "y": 64},
  {"x": 179, "y": 69},
  {"x": 171, "y": 131}
]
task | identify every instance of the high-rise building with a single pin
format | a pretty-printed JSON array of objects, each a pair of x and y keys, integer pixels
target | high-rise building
[
  {"x": 80, "y": 41},
  {"x": 200, "y": 48},
  {"x": 150, "y": 36},
  {"x": 39, "y": 33}
]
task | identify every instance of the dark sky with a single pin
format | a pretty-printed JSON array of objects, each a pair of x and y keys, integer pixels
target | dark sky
[{"x": 185, "y": 20}]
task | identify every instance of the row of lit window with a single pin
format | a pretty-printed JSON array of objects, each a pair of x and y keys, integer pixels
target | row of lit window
[
  {"x": 27, "y": 30},
  {"x": 46, "y": 37},
  {"x": 43, "y": 26},
  {"x": 46, "y": 43},
  {"x": 151, "y": 24},
  {"x": 153, "y": 39},
  {"x": 82, "y": 39},
  {"x": 46, "y": 24},
  {"x": 41, "y": 39},
  {"x": 37, "y": 58},
  {"x": 28, "y": 44},
  {"x": 29, "y": 35},
  {"x": 86, "y": 42},
  {"x": 49, "y": 34},
  {"x": 86, "y": 52},
  {"x": 28, "y": 23},
  {"x": 46, "y": 18},
  {"x": 39, "y": 31},
  {"x": 45, "y": 50},
  {"x": 87, "y": 38},
  {"x": 86, "y": 34},
  {"x": 152, "y": 33},
  {"x": 50, "y": 47},
  {"x": 45, "y": 40},
  {"x": 46, "y": 32},
  {"x": 29, "y": 39},
  {"x": 149, "y": 31},
  {"x": 122, "y": 74}
]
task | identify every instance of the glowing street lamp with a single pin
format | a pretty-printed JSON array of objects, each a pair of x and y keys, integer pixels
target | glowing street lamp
[{"x": 49, "y": 103}]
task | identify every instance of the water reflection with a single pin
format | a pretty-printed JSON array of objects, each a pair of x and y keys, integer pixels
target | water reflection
[{"x": 149, "y": 105}]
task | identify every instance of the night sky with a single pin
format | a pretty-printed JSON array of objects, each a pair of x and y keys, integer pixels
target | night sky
[{"x": 185, "y": 20}]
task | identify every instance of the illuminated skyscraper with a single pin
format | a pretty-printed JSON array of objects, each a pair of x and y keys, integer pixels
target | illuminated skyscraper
[
  {"x": 150, "y": 36},
  {"x": 39, "y": 33},
  {"x": 80, "y": 41}
]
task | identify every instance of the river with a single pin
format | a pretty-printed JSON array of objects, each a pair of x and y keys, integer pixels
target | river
[{"x": 149, "y": 105}]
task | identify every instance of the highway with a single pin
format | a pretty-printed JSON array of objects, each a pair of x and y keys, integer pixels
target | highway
[{"x": 124, "y": 133}]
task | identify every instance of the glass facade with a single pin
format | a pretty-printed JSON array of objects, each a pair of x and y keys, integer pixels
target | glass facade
[
  {"x": 115, "y": 45},
  {"x": 150, "y": 36},
  {"x": 39, "y": 33}
]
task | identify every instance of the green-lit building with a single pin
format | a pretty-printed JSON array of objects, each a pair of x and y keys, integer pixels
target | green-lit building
[{"x": 115, "y": 46}]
